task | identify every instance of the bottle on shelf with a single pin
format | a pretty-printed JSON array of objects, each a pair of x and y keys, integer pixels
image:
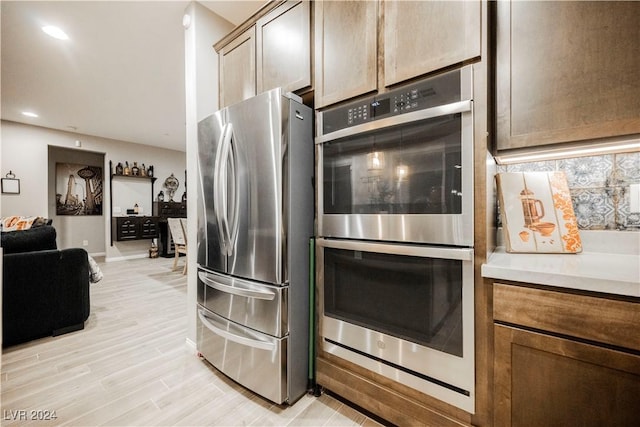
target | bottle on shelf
[
  {"x": 135, "y": 170},
  {"x": 150, "y": 171},
  {"x": 119, "y": 169},
  {"x": 127, "y": 170},
  {"x": 161, "y": 196}
]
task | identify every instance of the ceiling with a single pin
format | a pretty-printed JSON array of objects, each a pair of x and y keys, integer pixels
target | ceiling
[{"x": 120, "y": 75}]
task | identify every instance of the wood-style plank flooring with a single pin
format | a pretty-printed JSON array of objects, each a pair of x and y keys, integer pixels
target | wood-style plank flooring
[{"x": 131, "y": 366}]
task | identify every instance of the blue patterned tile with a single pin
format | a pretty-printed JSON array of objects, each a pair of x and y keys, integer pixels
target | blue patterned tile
[
  {"x": 547, "y": 166},
  {"x": 624, "y": 218},
  {"x": 627, "y": 168},
  {"x": 599, "y": 187},
  {"x": 632, "y": 221},
  {"x": 587, "y": 172},
  {"x": 594, "y": 209}
]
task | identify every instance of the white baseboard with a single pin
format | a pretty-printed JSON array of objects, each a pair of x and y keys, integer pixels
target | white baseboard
[
  {"x": 124, "y": 258},
  {"x": 191, "y": 346},
  {"x": 98, "y": 254}
]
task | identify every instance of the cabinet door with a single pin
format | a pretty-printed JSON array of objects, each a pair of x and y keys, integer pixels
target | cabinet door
[
  {"x": 238, "y": 69},
  {"x": 345, "y": 50},
  {"x": 542, "y": 380},
  {"x": 148, "y": 228},
  {"x": 424, "y": 36},
  {"x": 283, "y": 48},
  {"x": 126, "y": 229},
  {"x": 566, "y": 71}
]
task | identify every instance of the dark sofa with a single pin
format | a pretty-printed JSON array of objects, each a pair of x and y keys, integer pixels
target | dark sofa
[{"x": 45, "y": 291}]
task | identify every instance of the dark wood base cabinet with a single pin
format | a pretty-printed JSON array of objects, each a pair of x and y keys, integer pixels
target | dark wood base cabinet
[
  {"x": 385, "y": 398},
  {"x": 565, "y": 359},
  {"x": 134, "y": 228}
]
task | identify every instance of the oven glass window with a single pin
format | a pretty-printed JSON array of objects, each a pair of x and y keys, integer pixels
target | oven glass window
[
  {"x": 413, "y": 298},
  {"x": 410, "y": 169}
]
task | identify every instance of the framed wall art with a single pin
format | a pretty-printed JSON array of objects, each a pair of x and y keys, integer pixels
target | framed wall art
[
  {"x": 537, "y": 213},
  {"x": 78, "y": 189},
  {"x": 10, "y": 185}
]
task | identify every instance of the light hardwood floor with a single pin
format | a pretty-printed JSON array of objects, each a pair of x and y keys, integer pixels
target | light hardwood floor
[{"x": 131, "y": 366}]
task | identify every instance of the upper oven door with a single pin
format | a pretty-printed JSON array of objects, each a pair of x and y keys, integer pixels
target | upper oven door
[{"x": 403, "y": 178}]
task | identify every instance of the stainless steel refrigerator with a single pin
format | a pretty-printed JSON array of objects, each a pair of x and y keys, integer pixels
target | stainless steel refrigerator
[{"x": 255, "y": 219}]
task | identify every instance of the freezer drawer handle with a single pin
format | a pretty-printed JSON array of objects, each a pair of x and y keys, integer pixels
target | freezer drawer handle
[
  {"x": 249, "y": 342},
  {"x": 249, "y": 293}
]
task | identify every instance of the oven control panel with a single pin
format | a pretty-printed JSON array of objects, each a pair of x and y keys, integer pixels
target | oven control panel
[{"x": 430, "y": 92}]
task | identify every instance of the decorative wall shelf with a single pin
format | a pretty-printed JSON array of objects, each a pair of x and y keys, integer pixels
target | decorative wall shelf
[{"x": 113, "y": 176}]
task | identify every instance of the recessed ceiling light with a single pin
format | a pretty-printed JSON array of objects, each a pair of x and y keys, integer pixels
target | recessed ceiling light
[
  {"x": 29, "y": 114},
  {"x": 55, "y": 32}
]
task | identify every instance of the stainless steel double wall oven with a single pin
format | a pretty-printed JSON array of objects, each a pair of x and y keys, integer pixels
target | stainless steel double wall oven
[{"x": 395, "y": 220}]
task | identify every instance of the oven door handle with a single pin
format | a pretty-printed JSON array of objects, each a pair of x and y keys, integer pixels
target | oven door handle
[
  {"x": 427, "y": 113},
  {"x": 462, "y": 254},
  {"x": 239, "y": 339},
  {"x": 227, "y": 285}
]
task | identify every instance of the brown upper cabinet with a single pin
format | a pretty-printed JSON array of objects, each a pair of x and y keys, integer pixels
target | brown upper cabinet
[
  {"x": 424, "y": 36},
  {"x": 566, "y": 71},
  {"x": 363, "y": 46},
  {"x": 238, "y": 68},
  {"x": 273, "y": 51},
  {"x": 345, "y": 49},
  {"x": 283, "y": 42}
]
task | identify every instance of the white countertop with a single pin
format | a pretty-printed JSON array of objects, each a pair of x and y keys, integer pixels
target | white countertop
[{"x": 609, "y": 263}]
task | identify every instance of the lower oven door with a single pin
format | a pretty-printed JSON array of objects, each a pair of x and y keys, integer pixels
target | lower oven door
[
  {"x": 255, "y": 360},
  {"x": 403, "y": 311},
  {"x": 248, "y": 303}
]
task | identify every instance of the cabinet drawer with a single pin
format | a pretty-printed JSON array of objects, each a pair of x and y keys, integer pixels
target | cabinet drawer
[
  {"x": 255, "y": 360},
  {"x": 588, "y": 317},
  {"x": 234, "y": 297}
]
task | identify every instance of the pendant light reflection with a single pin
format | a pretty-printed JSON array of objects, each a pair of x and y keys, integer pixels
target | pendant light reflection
[
  {"x": 375, "y": 160},
  {"x": 402, "y": 172}
]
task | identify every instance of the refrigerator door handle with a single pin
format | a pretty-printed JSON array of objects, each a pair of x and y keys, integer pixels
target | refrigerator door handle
[
  {"x": 233, "y": 161},
  {"x": 242, "y": 340},
  {"x": 220, "y": 187},
  {"x": 216, "y": 183},
  {"x": 230, "y": 289}
]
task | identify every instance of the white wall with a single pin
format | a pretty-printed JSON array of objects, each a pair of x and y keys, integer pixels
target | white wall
[
  {"x": 201, "y": 74},
  {"x": 25, "y": 149}
]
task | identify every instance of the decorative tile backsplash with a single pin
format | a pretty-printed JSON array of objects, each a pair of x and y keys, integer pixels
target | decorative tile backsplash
[{"x": 599, "y": 187}]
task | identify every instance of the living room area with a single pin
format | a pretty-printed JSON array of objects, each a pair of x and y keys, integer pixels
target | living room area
[
  {"x": 69, "y": 202},
  {"x": 35, "y": 156},
  {"x": 119, "y": 91}
]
